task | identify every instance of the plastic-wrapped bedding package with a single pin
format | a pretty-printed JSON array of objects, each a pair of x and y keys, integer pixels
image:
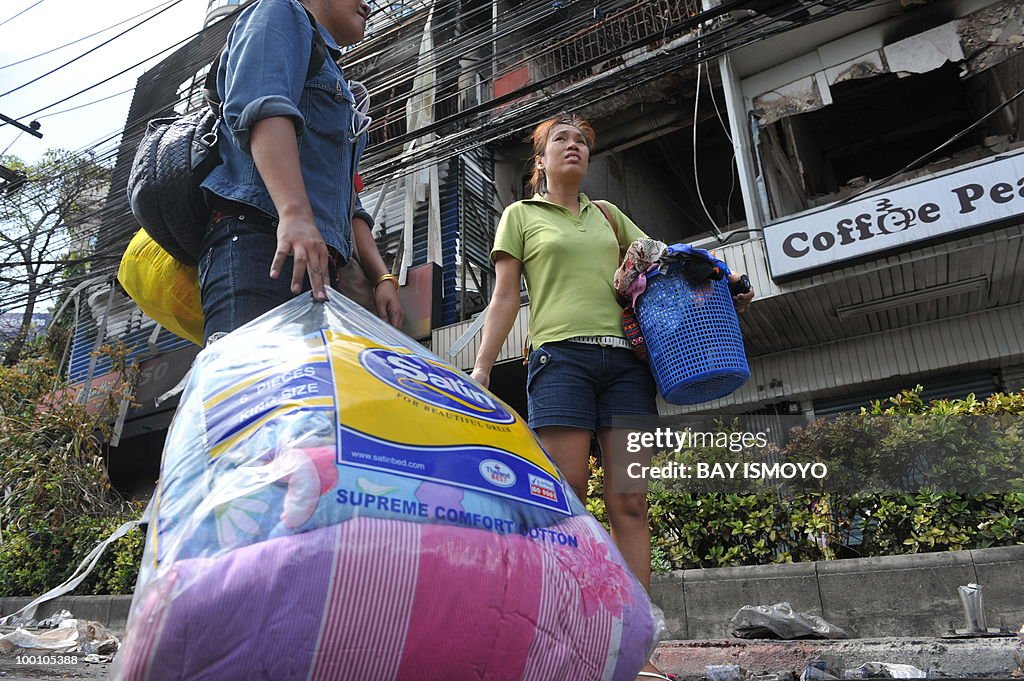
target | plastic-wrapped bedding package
[{"x": 336, "y": 503}]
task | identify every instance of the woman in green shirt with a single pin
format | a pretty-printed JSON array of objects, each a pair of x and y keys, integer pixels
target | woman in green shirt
[{"x": 582, "y": 372}]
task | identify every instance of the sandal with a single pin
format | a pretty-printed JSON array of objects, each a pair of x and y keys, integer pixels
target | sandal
[{"x": 654, "y": 675}]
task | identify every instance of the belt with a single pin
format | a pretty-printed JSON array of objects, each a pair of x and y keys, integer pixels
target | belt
[
  {"x": 225, "y": 208},
  {"x": 603, "y": 341}
]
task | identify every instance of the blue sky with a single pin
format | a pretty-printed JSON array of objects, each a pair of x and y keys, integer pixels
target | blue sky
[{"x": 55, "y": 22}]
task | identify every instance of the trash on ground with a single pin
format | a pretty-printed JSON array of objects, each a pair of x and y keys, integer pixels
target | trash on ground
[
  {"x": 724, "y": 672},
  {"x": 814, "y": 672},
  {"x": 974, "y": 608},
  {"x": 780, "y": 621},
  {"x": 70, "y": 636},
  {"x": 889, "y": 670},
  {"x": 54, "y": 620},
  {"x": 97, "y": 659}
]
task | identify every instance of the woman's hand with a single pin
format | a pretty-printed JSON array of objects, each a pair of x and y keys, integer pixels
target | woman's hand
[
  {"x": 501, "y": 315},
  {"x": 298, "y": 237},
  {"x": 385, "y": 298},
  {"x": 276, "y": 154},
  {"x": 742, "y": 300}
]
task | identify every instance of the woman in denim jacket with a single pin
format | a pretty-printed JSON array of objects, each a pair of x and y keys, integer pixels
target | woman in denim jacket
[{"x": 285, "y": 208}]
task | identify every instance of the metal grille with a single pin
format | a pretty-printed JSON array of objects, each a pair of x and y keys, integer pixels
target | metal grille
[
  {"x": 643, "y": 21},
  {"x": 104, "y": 319}
]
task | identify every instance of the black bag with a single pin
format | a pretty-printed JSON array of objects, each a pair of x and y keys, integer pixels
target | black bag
[{"x": 174, "y": 157}]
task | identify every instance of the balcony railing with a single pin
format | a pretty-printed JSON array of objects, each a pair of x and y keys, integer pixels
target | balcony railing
[{"x": 643, "y": 22}]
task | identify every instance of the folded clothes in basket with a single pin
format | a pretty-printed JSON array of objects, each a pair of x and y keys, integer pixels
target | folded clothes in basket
[{"x": 696, "y": 264}]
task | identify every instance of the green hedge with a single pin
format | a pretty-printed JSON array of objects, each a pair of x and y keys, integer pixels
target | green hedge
[
  {"x": 56, "y": 502},
  {"x": 692, "y": 530},
  {"x": 35, "y": 560}
]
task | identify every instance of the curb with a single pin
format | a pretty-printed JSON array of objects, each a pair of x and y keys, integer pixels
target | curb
[
  {"x": 890, "y": 596},
  {"x": 110, "y": 611}
]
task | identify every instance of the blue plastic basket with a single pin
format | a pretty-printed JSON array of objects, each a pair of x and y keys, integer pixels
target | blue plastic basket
[{"x": 693, "y": 338}]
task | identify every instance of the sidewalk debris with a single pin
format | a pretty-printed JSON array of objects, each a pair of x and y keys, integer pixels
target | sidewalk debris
[
  {"x": 974, "y": 609},
  {"x": 54, "y": 620},
  {"x": 780, "y": 621},
  {"x": 724, "y": 672},
  {"x": 814, "y": 672},
  {"x": 70, "y": 636},
  {"x": 889, "y": 670}
]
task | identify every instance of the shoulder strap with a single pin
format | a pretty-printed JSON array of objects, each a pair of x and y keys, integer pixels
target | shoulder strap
[
  {"x": 317, "y": 55},
  {"x": 611, "y": 221}
]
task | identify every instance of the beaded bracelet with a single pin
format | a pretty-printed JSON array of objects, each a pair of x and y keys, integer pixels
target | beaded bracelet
[{"x": 386, "y": 277}]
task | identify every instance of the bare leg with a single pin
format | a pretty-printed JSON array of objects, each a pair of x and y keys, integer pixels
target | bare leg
[
  {"x": 627, "y": 514},
  {"x": 569, "y": 448}
]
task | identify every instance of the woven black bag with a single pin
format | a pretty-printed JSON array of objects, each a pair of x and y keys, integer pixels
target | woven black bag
[{"x": 172, "y": 160}]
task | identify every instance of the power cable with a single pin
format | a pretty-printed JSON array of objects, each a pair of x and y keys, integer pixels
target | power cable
[
  {"x": 107, "y": 80},
  {"x": 9, "y": 19},
  {"x": 78, "y": 40},
  {"x": 732, "y": 145},
  {"x": 140, "y": 123},
  {"x": 105, "y": 261},
  {"x": 696, "y": 176},
  {"x": 517, "y": 119},
  {"x": 91, "y": 50},
  {"x": 16, "y": 138},
  {"x": 82, "y": 106}
]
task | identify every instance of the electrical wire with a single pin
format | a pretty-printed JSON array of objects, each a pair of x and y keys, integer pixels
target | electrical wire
[
  {"x": 696, "y": 176},
  {"x": 469, "y": 135},
  {"x": 16, "y": 138},
  {"x": 78, "y": 40},
  {"x": 82, "y": 106},
  {"x": 114, "y": 134},
  {"x": 728, "y": 135},
  {"x": 517, "y": 119},
  {"x": 91, "y": 50},
  {"x": 107, "y": 80},
  {"x": 9, "y": 19}
]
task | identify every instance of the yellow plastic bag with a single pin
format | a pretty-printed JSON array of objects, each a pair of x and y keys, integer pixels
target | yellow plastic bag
[{"x": 165, "y": 289}]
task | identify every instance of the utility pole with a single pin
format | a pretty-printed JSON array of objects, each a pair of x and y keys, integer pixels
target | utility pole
[
  {"x": 32, "y": 128},
  {"x": 12, "y": 180}
]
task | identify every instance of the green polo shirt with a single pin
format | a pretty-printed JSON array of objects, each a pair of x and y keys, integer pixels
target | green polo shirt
[{"x": 569, "y": 263}]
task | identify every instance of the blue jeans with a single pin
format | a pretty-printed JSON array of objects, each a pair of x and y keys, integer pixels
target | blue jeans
[
  {"x": 585, "y": 386},
  {"x": 234, "y": 274}
]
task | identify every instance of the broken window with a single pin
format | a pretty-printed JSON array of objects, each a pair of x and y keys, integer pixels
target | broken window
[{"x": 813, "y": 151}]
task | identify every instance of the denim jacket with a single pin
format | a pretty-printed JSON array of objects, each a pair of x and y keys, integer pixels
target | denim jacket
[{"x": 263, "y": 74}]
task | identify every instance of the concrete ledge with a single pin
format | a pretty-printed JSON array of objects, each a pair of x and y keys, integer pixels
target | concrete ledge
[
  {"x": 709, "y": 593},
  {"x": 111, "y": 611},
  {"x": 910, "y": 595}
]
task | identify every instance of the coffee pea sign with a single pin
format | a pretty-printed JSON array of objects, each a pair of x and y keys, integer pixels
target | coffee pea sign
[{"x": 892, "y": 221}]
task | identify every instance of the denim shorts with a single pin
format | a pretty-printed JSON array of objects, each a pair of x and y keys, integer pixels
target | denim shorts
[
  {"x": 585, "y": 386},
  {"x": 234, "y": 274}
]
